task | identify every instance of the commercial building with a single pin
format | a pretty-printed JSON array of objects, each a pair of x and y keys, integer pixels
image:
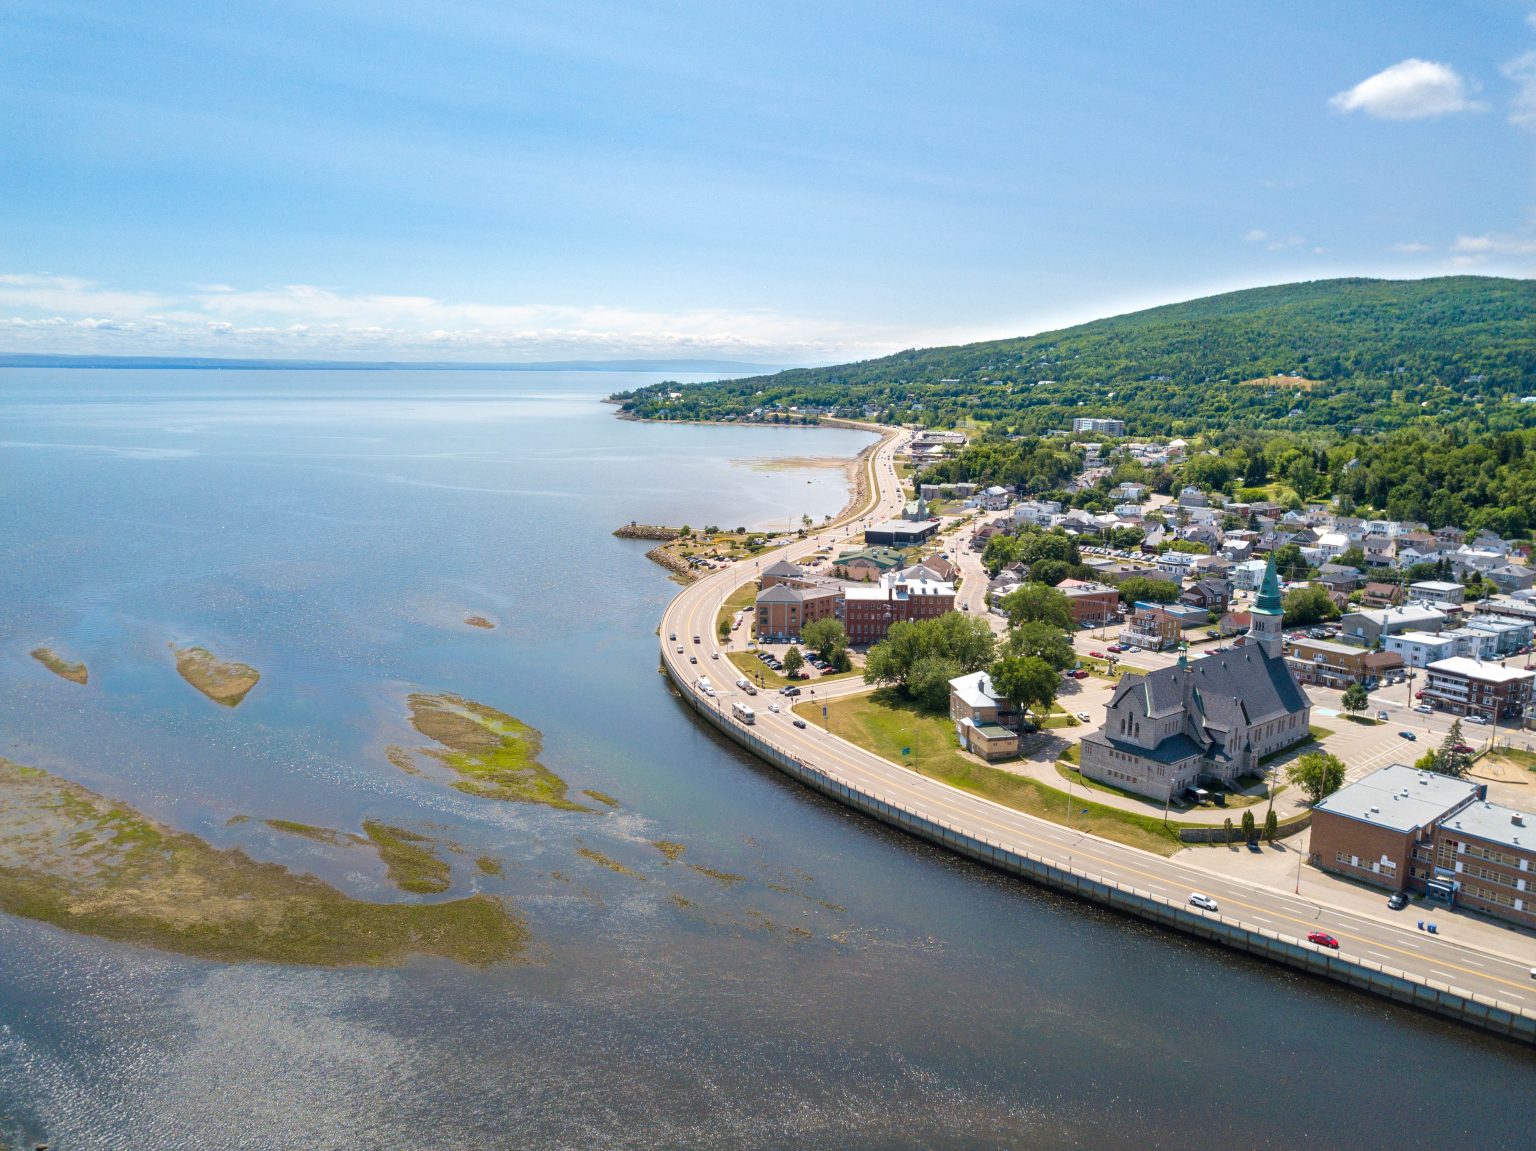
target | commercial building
[
  {"x": 868, "y": 564},
  {"x": 1337, "y": 664},
  {"x": 1210, "y": 720},
  {"x": 1373, "y": 626},
  {"x": 1099, "y": 427},
  {"x": 1420, "y": 648},
  {"x": 869, "y": 612},
  {"x": 901, "y": 533},
  {"x": 1440, "y": 592},
  {"x": 1091, "y": 602},
  {"x": 1155, "y": 626},
  {"x": 1471, "y": 687},
  {"x": 1510, "y": 634},
  {"x": 781, "y": 610},
  {"x": 782, "y": 571},
  {"x": 1402, "y": 829}
]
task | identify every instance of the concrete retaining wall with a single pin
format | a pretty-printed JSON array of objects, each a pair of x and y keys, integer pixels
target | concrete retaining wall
[
  {"x": 1219, "y": 834},
  {"x": 1400, "y": 986}
]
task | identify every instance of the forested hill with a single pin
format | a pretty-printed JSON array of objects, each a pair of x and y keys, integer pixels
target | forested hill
[{"x": 1351, "y": 355}]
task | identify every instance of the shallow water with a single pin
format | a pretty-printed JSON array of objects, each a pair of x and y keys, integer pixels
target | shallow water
[{"x": 854, "y": 989}]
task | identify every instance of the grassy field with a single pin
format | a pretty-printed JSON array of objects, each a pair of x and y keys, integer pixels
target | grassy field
[
  {"x": 742, "y": 597},
  {"x": 885, "y": 723}
]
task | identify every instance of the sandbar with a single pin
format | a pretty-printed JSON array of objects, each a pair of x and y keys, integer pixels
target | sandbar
[{"x": 223, "y": 682}]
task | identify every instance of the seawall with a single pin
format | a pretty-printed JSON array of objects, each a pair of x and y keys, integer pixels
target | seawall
[{"x": 1399, "y": 986}]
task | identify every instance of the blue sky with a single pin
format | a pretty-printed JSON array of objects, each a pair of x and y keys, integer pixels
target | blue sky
[{"x": 780, "y": 182}]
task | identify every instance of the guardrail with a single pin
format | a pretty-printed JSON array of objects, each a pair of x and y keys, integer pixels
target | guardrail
[{"x": 1400, "y": 986}]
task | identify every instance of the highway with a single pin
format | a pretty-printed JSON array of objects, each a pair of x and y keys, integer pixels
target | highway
[{"x": 1440, "y": 958}]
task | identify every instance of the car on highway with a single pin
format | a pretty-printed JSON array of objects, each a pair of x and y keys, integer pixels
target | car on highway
[
  {"x": 1409, "y": 736},
  {"x": 1382, "y": 717},
  {"x": 695, "y": 639},
  {"x": 1116, "y": 647},
  {"x": 714, "y": 655},
  {"x": 693, "y": 659},
  {"x": 673, "y": 637},
  {"x": 679, "y": 649},
  {"x": 789, "y": 691},
  {"x": 799, "y": 722},
  {"x": 1203, "y": 902},
  {"x": 1398, "y": 901},
  {"x": 1322, "y": 939},
  {"x": 773, "y": 707}
]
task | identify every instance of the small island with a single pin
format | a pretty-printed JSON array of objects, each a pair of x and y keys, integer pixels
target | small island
[
  {"x": 223, "y": 682},
  {"x": 80, "y": 861},
  {"x": 61, "y": 667},
  {"x": 479, "y": 621},
  {"x": 494, "y": 754}
]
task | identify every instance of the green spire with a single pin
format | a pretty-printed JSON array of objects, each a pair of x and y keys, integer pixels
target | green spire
[{"x": 1268, "y": 601}]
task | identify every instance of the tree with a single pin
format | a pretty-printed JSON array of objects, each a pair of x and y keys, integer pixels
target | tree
[
  {"x": 1429, "y": 761},
  {"x": 1248, "y": 826},
  {"x": 1026, "y": 681},
  {"x": 1289, "y": 561},
  {"x": 724, "y": 629},
  {"x": 826, "y": 637},
  {"x": 1356, "y": 698},
  {"x": 1271, "y": 826},
  {"x": 793, "y": 661},
  {"x": 1037, "y": 603},
  {"x": 928, "y": 682},
  {"x": 1451, "y": 760},
  {"x": 1318, "y": 774},
  {"x": 1050, "y": 572},
  {"x": 966, "y": 640},
  {"x": 1143, "y": 589},
  {"x": 1353, "y": 557},
  {"x": 1229, "y": 828},
  {"x": 1308, "y": 605},
  {"x": 1042, "y": 641}
]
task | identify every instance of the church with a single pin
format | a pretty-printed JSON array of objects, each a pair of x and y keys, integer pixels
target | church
[{"x": 1210, "y": 720}]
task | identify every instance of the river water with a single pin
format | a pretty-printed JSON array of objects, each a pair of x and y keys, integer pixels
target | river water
[{"x": 854, "y": 988}]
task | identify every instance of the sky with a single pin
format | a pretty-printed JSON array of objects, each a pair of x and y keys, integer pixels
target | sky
[{"x": 782, "y": 183}]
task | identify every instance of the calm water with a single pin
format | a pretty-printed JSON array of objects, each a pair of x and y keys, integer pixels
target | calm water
[{"x": 856, "y": 990}]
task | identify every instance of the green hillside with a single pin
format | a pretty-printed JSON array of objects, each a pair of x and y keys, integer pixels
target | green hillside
[{"x": 1361, "y": 356}]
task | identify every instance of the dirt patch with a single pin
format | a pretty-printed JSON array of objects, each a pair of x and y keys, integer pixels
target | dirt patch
[
  {"x": 479, "y": 621},
  {"x": 61, "y": 667},
  {"x": 791, "y": 463},
  {"x": 75, "y": 859},
  {"x": 223, "y": 682},
  {"x": 494, "y": 754}
]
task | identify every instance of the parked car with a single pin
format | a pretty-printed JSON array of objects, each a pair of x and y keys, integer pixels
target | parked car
[
  {"x": 1409, "y": 736},
  {"x": 1085, "y": 717},
  {"x": 1477, "y": 719},
  {"x": 1462, "y": 748},
  {"x": 1079, "y": 674},
  {"x": 1418, "y": 695},
  {"x": 1203, "y": 902},
  {"x": 1381, "y": 717},
  {"x": 1398, "y": 901},
  {"x": 1098, "y": 655},
  {"x": 1322, "y": 939},
  {"x": 1424, "y": 709}
]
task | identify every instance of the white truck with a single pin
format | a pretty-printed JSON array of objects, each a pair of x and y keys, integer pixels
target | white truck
[
  {"x": 746, "y": 685},
  {"x": 705, "y": 686},
  {"x": 743, "y": 713}
]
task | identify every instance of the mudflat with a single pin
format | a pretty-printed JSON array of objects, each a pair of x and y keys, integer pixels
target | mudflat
[
  {"x": 61, "y": 667},
  {"x": 222, "y": 681}
]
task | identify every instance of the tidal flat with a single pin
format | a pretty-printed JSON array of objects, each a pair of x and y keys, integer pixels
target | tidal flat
[
  {"x": 222, "y": 681},
  {"x": 494, "y": 754},
  {"x": 61, "y": 667},
  {"x": 83, "y": 862}
]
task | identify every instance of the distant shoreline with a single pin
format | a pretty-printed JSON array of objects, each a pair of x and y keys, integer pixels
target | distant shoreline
[{"x": 188, "y": 363}]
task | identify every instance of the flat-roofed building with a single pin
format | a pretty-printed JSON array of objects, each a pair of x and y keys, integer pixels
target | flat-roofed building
[
  {"x": 900, "y": 533},
  {"x": 1091, "y": 602},
  {"x": 1380, "y": 829},
  {"x": 1372, "y": 627},
  {"x": 1420, "y": 648},
  {"x": 1472, "y": 687},
  {"x": 1487, "y": 853},
  {"x": 1510, "y": 634},
  {"x": 1438, "y": 592}
]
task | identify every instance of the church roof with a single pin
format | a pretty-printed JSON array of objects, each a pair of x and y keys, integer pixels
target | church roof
[
  {"x": 1268, "y": 601},
  {"x": 1234, "y": 689}
]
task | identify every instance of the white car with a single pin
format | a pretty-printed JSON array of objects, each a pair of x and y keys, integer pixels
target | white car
[
  {"x": 1424, "y": 709},
  {"x": 773, "y": 707},
  {"x": 714, "y": 655},
  {"x": 1203, "y": 902},
  {"x": 1085, "y": 717},
  {"x": 1476, "y": 719}
]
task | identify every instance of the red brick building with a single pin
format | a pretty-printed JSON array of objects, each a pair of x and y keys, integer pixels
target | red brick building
[{"x": 1092, "y": 603}]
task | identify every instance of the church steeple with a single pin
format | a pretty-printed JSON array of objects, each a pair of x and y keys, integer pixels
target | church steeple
[{"x": 1266, "y": 617}]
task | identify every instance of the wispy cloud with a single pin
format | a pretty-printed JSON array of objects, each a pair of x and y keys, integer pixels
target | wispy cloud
[
  {"x": 1274, "y": 243},
  {"x": 1494, "y": 245},
  {"x": 1522, "y": 106},
  {"x": 1412, "y": 90},
  {"x": 57, "y": 313},
  {"x": 1409, "y": 248}
]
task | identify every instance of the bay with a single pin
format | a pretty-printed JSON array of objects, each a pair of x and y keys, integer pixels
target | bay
[{"x": 821, "y": 982}]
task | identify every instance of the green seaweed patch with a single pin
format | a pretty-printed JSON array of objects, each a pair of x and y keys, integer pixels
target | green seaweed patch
[
  {"x": 488, "y": 865},
  {"x": 237, "y": 820},
  {"x": 402, "y": 758},
  {"x": 724, "y": 877},
  {"x": 494, "y": 754},
  {"x": 305, "y": 830},
  {"x": 222, "y": 681},
  {"x": 601, "y": 797},
  {"x": 673, "y": 851},
  {"x": 61, "y": 667},
  {"x": 77, "y": 860},
  {"x": 602, "y": 860},
  {"x": 479, "y": 621},
  {"x": 412, "y": 863}
]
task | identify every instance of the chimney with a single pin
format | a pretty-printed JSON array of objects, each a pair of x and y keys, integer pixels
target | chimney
[{"x": 1517, "y": 819}]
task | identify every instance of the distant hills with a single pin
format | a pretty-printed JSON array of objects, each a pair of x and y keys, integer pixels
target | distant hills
[
  {"x": 725, "y": 367},
  {"x": 1355, "y": 355}
]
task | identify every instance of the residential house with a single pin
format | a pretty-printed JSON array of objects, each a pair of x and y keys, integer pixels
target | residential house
[
  {"x": 1511, "y": 577},
  {"x": 1211, "y": 594},
  {"x": 1379, "y": 595},
  {"x": 983, "y": 721},
  {"x": 1338, "y": 665},
  {"x": 1437, "y": 592}
]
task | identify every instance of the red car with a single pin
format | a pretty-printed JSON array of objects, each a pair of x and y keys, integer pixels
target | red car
[
  {"x": 1115, "y": 647},
  {"x": 1098, "y": 655},
  {"x": 1079, "y": 674},
  {"x": 1322, "y": 939},
  {"x": 1418, "y": 695},
  {"x": 1462, "y": 749}
]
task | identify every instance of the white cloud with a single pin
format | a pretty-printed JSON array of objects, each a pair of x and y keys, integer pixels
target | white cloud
[
  {"x": 1256, "y": 236},
  {"x": 1493, "y": 245},
  {"x": 1522, "y": 107},
  {"x": 58, "y": 313},
  {"x": 1412, "y": 90},
  {"x": 1409, "y": 248}
]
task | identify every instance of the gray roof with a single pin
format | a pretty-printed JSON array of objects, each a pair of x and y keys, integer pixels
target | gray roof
[
  {"x": 782, "y": 567},
  {"x": 1235, "y": 688},
  {"x": 1174, "y": 749},
  {"x": 1497, "y": 824},
  {"x": 1379, "y": 798},
  {"x": 780, "y": 593}
]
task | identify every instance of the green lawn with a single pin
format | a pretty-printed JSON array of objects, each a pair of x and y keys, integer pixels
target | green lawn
[
  {"x": 742, "y": 597},
  {"x": 750, "y": 666},
  {"x": 885, "y": 723}
]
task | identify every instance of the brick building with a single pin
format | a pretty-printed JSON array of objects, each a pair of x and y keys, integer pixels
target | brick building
[
  {"x": 1092, "y": 603},
  {"x": 781, "y": 610},
  {"x": 1338, "y": 664},
  {"x": 1470, "y": 687}
]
